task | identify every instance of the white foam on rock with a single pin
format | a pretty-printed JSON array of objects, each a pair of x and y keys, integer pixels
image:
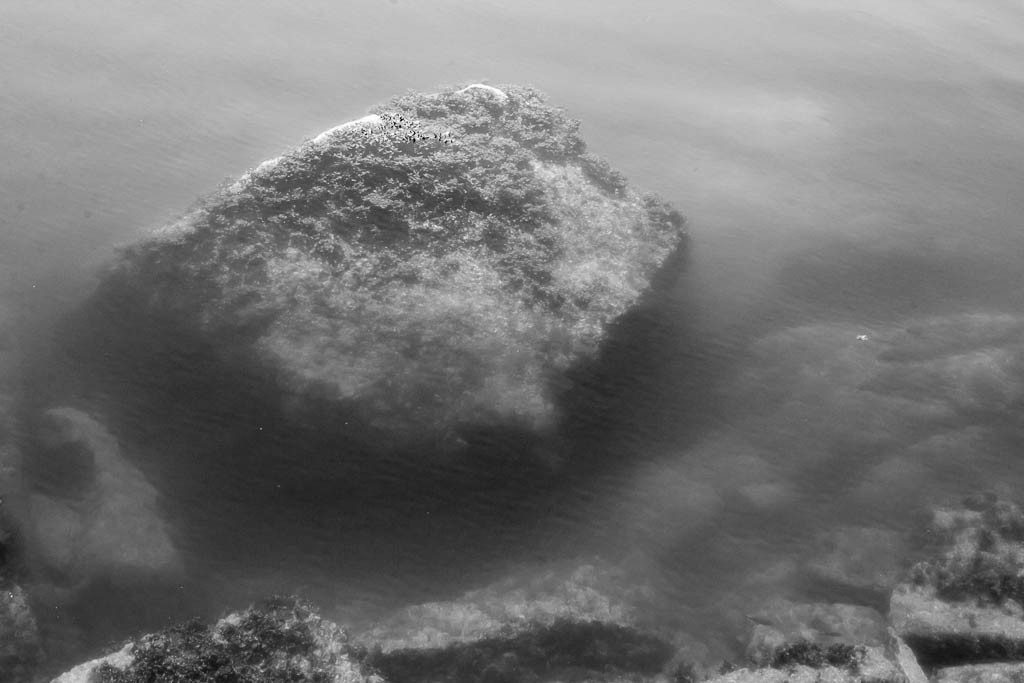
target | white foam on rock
[
  {"x": 366, "y": 121},
  {"x": 83, "y": 673},
  {"x": 320, "y": 140},
  {"x": 500, "y": 94}
]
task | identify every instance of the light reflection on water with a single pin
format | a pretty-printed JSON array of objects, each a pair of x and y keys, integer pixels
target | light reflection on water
[{"x": 856, "y": 167}]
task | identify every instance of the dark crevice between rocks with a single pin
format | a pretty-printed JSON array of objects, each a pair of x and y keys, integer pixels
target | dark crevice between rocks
[
  {"x": 952, "y": 650},
  {"x": 565, "y": 650},
  {"x": 818, "y": 589}
]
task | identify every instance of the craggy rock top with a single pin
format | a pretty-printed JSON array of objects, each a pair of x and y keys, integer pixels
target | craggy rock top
[{"x": 432, "y": 264}]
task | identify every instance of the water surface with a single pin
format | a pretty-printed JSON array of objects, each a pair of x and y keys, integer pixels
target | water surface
[{"x": 850, "y": 163}]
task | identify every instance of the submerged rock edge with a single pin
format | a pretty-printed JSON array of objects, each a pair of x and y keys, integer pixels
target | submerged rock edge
[{"x": 419, "y": 284}]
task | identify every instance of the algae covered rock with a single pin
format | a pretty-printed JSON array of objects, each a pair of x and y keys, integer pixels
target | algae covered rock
[
  {"x": 965, "y": 604},
  {"x": 280, "y": 639},
  {"x": 438, "y": 264},
  {"x": 779, "y": 623},
  {"x": 817, "y": 642}
]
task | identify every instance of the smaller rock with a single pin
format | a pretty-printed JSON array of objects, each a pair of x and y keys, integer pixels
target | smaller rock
[
  {"x": 806, "y": 663},
  {"x": 906, "y": 659},
  {"x": 946, "y": 633},
  {"x": 591, "y": 592},
  {"x": 557, "y": 622},
  {"x": 90, "y": 511},
  {"x": 964, "y": 606},
  {"x": 781, "y": 622},
  {"x": 817, "y": 643},
  {"x": 280, "y": 639}
]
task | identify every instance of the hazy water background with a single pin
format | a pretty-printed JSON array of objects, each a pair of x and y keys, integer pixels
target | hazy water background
[{"x": 853, "y": 160}]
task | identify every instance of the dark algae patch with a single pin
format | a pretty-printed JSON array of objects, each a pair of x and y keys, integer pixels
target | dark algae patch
[
  {"x": 278, "y": 641},
  {"x": 565, "y": 650},
  {"x": 817, "y": 656}
]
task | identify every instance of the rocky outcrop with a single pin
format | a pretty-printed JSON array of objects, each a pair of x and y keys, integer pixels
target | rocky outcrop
[
  {"x": 782, "y": 622},
  {"x": 824, "y": 642},
  {"x": 90, "y": 512},
  {"x": 959, "y": 615},
  {"x": 278, "y": 640},
  {"x": 965, "y": 605},
  {"x": 420, "y": 275}
]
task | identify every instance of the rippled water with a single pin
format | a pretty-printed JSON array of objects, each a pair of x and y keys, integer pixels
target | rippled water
[{"x": 853, "y": 163}]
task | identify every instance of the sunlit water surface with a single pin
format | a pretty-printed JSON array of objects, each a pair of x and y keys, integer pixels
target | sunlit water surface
[{"x": 851, "y": 162}]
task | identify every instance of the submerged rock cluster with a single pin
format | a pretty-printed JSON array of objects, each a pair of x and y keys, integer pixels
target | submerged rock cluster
[
  {"x": 429, "y": 271},
  {"x": 955, "y": 617},
  {"x": 415, "y": 279}
]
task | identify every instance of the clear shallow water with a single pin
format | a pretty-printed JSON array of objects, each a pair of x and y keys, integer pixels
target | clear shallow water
[{"x": 856, "y": 163}]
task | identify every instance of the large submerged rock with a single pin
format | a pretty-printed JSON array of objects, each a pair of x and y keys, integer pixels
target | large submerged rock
[{"x": 433, "y": 268}]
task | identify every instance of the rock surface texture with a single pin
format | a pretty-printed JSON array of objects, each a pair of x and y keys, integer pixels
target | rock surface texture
[
  {"x": 582, "y": 623},
  {"x": 821, "y": 642},
  {"x": 434, "y": 266},
  {"x": 278, "y": 640},
  {"x": 964, "y": 606}
]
